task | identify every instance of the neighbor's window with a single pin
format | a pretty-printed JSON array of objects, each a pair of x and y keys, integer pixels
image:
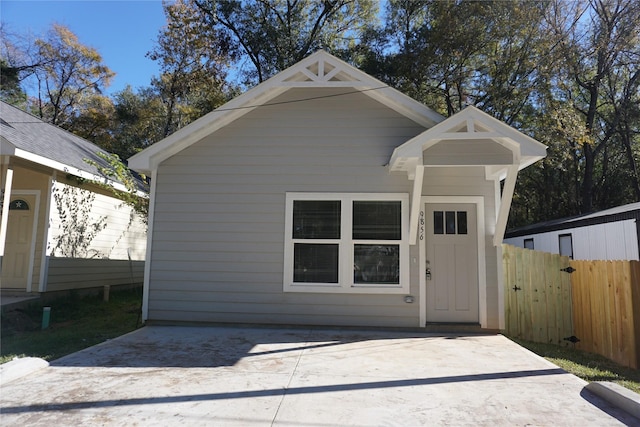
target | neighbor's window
[
  {"x": 346, "y": 243},
  {"x": 528, "y": 244},
  {"x": 565, "y": 243}
]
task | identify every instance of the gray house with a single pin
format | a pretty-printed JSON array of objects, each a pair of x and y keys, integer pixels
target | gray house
[{"x": 322, "y": 196}]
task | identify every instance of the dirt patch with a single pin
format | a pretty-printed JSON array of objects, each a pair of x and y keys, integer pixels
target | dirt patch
[{"x": 18, "y": 320}]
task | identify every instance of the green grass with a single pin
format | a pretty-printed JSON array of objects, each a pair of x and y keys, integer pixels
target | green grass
[
  {"x": 75, "y": 323},
  {"x": 588, "y": 366}
]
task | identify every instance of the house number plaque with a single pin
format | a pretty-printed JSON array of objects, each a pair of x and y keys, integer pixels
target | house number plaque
[{"x": 421, "y": 223}]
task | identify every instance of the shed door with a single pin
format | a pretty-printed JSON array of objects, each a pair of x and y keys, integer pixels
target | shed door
[
  {"x": 18, "y": 245},
  {"x": 452, "y": 263}
]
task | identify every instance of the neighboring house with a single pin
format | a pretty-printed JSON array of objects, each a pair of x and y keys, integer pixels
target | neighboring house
[
  {"x": 322, "y": 196},
  {"x": 612, "y": 234},
  {"x": 60, "y": 231}
]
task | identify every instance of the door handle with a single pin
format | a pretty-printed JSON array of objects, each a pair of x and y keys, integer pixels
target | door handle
[{"x": 428, "y": 272}]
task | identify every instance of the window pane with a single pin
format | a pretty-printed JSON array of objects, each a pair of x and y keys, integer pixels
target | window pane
[
  {"x": 450, "y": 221},
  {"x": 19, "y": 205},
  {"x": 316, "y": 219},
  {"x": 376, "y": 264},
  {"x": 376, "y": 220},
  {"x": 566, "y": 245},
  {"x": 438, "y": 222},
  {"x": 315, "y": 263},
  {"x": 462, "y": 222},
  {"x": 528, "y": 244}
]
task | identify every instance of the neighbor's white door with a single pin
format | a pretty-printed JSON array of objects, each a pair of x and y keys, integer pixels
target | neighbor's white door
[
  {"x": 18, "y": 245},
  {"x": 452, "y": 263}
]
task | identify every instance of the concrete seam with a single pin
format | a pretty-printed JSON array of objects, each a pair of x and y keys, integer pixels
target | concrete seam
[{"x": 293, "y": 372}]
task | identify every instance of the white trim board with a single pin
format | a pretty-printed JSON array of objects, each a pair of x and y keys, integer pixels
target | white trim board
[
  {"x": 147, "y": 263},
  {"x": 44, "y": 265}
]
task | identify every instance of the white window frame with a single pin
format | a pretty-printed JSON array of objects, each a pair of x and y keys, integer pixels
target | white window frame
[{"x": 346, "y": 245}]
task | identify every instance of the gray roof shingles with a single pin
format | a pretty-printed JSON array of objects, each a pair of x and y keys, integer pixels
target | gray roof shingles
[{"x": 35, "y": 136}]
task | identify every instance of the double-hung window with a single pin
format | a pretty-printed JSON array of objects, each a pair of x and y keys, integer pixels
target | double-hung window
[{"x": 346, "y": 242}]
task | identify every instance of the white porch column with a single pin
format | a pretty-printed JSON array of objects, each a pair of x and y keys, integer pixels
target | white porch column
[
  {"x": 7, "y": 182},
  {"x": 415, "y": 204},
  {"x": 147, "y": 259}
]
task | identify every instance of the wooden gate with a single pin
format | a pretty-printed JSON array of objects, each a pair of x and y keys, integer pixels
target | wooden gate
[{"x": 538, "y": 304}]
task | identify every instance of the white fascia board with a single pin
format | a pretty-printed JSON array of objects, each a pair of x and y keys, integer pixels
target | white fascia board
[
  {"x": 375, "y": 89},
  {"x": 533, "y": 146},
  {"x": 405, "y": 105},
  {"x": 527, "y": 161},
  {"x": 53, "y": 164},
  {"x": 149, "y": 159}
]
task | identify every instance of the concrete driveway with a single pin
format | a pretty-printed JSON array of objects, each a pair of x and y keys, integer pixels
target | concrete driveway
[{"x": 303, "y": 377}]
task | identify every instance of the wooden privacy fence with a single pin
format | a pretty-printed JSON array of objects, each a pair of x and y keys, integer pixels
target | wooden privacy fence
[{"x": 550, "y": 299}]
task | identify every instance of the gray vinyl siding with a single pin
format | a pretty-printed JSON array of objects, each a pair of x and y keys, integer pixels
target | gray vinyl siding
[
  {"x": 218, "y": 236},
  {"x": 471, "y": 181}
]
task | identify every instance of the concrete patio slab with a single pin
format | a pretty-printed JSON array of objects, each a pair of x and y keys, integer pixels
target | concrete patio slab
[{"x": 237, "y": 376}]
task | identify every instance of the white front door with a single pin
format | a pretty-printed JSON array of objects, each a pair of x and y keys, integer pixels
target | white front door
[
  {"x": 451, "y": 263},
  {"x": 16, "y": 262}
]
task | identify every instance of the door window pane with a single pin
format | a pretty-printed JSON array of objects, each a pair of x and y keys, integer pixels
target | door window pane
[
  {"x": 438, "y": 222},
  {"x": 19, "y": 205},
  {"x": 376, "y": 264},
  {"x": 377, "y": 220},
  {"x": 315, "y": 263},
  {"x": 316, "y": 219},
  {"x": 462, "y": 222},
  {"x": 450, "y": 222}
]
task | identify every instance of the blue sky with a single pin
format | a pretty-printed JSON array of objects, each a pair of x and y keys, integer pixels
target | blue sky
[{"x": 122, "y": 31}]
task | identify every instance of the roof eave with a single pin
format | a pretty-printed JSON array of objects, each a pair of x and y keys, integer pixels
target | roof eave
[
  {"x": 61, "y": 167},
  {"x": 149, "y": 159}
]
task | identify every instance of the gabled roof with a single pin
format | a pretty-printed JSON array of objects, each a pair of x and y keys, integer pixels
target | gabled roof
[
  {"x": 25, "y": 136},
  {"x": 470, "y": 124},
  {"x": 317, "y": 70}
]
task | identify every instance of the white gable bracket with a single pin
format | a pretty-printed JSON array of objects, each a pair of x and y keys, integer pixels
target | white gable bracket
[{"x": 505, "y": 204}]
